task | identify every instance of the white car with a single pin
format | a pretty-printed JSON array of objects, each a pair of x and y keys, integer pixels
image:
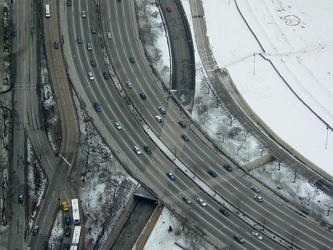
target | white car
[
  {"x": 129, "y": 84},
  {"x": 91, "y": 76},
  {"x": 201, "y": 202},
  {"x": 117, "y": 125},
  {"x": 158, "y": 118},
  {"x": 258, "y": 236},
  {"x": 108, "y": 35},
  {"x": 83, "y": 14},
  {"x": 137, "y": 150},
  {"x": 89, "y": 47},
  {"x": 258, "y": 198}
]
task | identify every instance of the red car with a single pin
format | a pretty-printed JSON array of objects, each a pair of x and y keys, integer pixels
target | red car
[
  {"x": 168, "y": 9},
  {"x": 56, "y": 45}
]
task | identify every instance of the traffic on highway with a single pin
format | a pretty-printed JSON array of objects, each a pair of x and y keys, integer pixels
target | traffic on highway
[{"x": 99, "y": 48}]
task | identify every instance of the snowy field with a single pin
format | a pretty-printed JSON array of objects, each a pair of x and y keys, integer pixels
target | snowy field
[{"x": 296, "y": 36}]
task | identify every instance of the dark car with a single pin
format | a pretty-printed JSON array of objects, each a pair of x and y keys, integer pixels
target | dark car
[
  {"x": 93, "y": 63},
  {"x": 143, "y": 96},
  {"x": 185, "y": 138},
  {"x": 66, "y": 246},
  {"x": 106, "y": 75},
  {"x": 67, "y": 231},
  {"x": 132, "y": 60},
  {"x": 147, "y": 148},
  {"x": 182, "y": 124},
  {"x": 56, "y": 45},
  {"x": 97, "y": 107},
  {"x": 224, "y": 212},
  {"x": 239, "y": 238},
  {"x": 93, "y": 30},
  {"x": 20, "y": 198},
  {"x": 227, "y": 167},
  {"x": 35, "y": 230},
  {"x": 211, "y": 173},
  {"x": 67, "y": 220},
  {"x": 171, "y": 176},
  {"x": 79, "y": 39}
]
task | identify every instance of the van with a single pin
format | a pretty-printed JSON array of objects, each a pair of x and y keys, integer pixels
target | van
[
  {"x": 158, "y": 119},
  {"x": 69, "y": 3},
  {"x": 47, "y": 10}
]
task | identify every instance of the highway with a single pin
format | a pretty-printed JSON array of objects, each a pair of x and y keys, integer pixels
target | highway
[{"x": 150, "y": 170}]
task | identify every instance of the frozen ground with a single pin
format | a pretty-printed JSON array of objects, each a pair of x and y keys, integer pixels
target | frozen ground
[{"x": 296, "y": 36}]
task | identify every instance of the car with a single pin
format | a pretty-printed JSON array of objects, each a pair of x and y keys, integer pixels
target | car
[
  {"x": 67, "y": 220},
  {"x": 69, "y": 3},
  {"x": 89, "y": 47},
  {"x": 20, "y": 198},
  {"x": 257, "y": 235},
  {"x": 56, "y": 45},
  {"x": 83, "y": 14},
  {"x": 67, "y": 231},
  {"x": 93, "y": 63},
  {"x": 258, "y": 198},
  {"x": 129, "y": 84},
  {"x": 117, "y": 125},
  {"x": 132, "y": 60},
  {"x": 162, "y": 109},
  {"x": 168, "y": 9},
  {"x": 108, "y": 35},
  {"x": 137, "y": 150},
  {"x": 182, "y": 124},
  {"x": 90, "y": 76},
  {"x": 227, "y": 167},
  {"x": 147, "y": 148},
  {"x": 255, "y": 189},
  {"x": 239, "y": 238},
  {"x": 143, "y": 96},
  {"x": 66, "y": 246},
  {"x": 35, "y": 230},
  {"x": 211, "y": 173},
  {"x": 97, "y": 107},
  {"x": 106, "y": 76},
  {"x": 64, "y": 206},
  {"x": 158, "y": 118},
  {"x": 201, "y": 202},
  {"x": 171, "y": 176},
  {"x": 185, "y": 138},
  {"x": 119, "y": 1},
  {"x": 79, "y": 39},
  {"x": 224, "y": 212},
  {"x": 187, "y": 200},
  {"x": 93, "y": 30}
]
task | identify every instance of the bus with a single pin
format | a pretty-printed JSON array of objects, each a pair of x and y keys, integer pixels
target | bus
[
  {"x": 47, "y": 11},
  {"x": 76, "y": 236},
  {"x": 76, "y": 212}
]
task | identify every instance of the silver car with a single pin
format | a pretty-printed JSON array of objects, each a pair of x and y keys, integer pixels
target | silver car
[
  {"x": 137, "y": 150},
  {"x": 83, "y": 14},
  {"x": 108, "y": 35},
  {"x": 201, "y": 202},
  {"x": 91, "y": 76},
  {"x": 117, "y": 125},
  {"x": 258, "y": 198}
]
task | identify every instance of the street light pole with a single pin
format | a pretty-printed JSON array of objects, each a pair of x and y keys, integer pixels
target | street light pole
[{"x": 326, "y": 137}]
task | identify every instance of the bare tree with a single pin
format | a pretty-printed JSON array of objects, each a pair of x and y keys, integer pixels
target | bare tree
[
  {"x": 328, "y": 205},
  {"x": 295, "y": 174}
]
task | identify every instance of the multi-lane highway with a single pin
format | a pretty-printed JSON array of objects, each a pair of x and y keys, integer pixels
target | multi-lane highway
[{"x": 118, "y": 18}]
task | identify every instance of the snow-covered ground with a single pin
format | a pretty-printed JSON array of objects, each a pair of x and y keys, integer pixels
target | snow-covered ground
[{"x": 296, "y": 36}]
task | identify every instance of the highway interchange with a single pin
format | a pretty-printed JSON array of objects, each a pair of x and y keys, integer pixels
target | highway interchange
[{"x": 119, "y": 19}]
